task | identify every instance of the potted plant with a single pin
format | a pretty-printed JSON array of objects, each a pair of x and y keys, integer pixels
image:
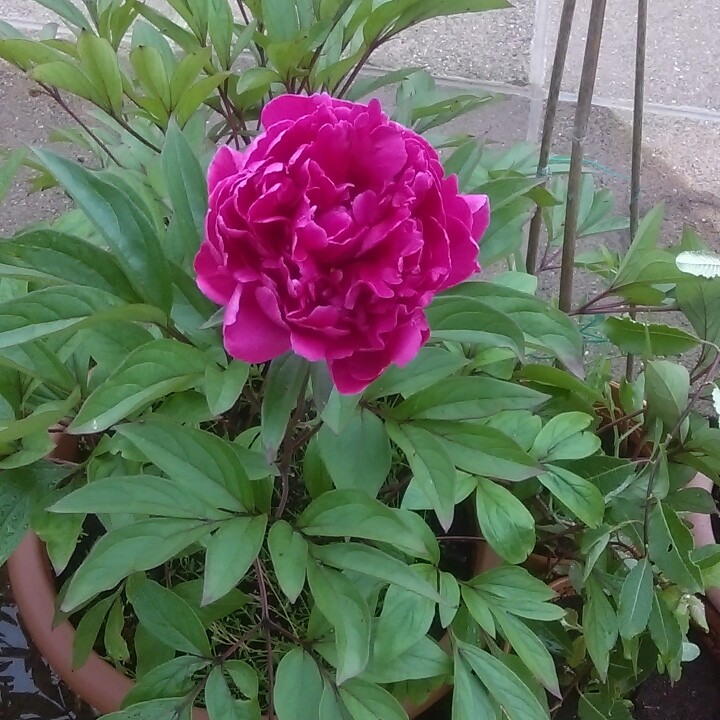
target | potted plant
[{"x": 292, "y": 456}]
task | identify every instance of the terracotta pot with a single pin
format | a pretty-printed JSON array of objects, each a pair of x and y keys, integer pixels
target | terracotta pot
[
  {"x": 97, "y": 682},
  {"x": 702, "y": 531}
]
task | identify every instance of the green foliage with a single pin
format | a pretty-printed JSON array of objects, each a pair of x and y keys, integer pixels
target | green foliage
[{"x": 252, "y": 516}]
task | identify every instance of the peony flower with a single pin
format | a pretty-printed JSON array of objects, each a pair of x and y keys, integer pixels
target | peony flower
[{"x": 330, "y": 234}]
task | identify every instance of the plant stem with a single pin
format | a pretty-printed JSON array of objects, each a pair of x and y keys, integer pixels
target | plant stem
[
  {"x": 582, "y": 115},
  {"x": 240, "y": 643},
  {"x": 561, "y": 50},
  {"x": 54, "y": 93},
  {"x": 614, "y": 309},
  {"x": 620, "y": 420},
  {"x": 130, "y": 129},
  {"x": 638, "y": 112}
]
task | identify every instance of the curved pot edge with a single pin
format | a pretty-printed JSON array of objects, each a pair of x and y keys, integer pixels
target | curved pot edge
[
  {"x": 97, "y": 682},
  {"x": 703, "y": 532}
]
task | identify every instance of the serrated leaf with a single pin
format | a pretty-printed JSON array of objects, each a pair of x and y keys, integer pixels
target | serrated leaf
[
  {"x": 231, "y": 550},
  {"x": 700, "y": 264}
]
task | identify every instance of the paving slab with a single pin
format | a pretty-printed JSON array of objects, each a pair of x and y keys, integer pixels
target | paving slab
[
  {"x": 490, "y": 46},
  {"x": 681, "y": 55}
]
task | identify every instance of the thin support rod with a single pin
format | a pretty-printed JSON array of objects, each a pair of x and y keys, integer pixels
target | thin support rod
[
  {"x": 582, "y": 115},
  {"x": 637, "y": 142},
  {"x": 561, "y": 51}
]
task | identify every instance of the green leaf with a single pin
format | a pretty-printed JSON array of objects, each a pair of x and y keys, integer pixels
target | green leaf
[
  {"x": 470, "y": 700},
  {"x": 154, "y": 710},
  {"x": 87, "y": 631},
  {"x": 545, "y": 327},
  {"x": 344, "y": 608},
  {"x": 194, "y": 459},
  {"x": 285, "y": 379},
  {"x": 168, "y": 617},
  {"x": 19, "y": 490},
  {"x": 195, "y": 95},
  {"x": 148, "y": 373},
  {"x": 506, "y": 688},
  {"x": 41, "y": 419},
  {"x": 483, "y": 450},
  {"x": 468, "y": 320},
  {"x": 424, "y": 659},
  {"x": 67, "y": 11},
  {"x": 100, "y": 62},
  {"x": 599, "y": 706},
  {"x": 223, "y": 388},
  {"x": 635, "y": 600},
  {"x": 170, "y": 680},
  {"x": 139, "y": 546},
  {"x": 67, "y": 76},
  {"x": 646, "y": 339},
  {"x": 298, "y": 687},
  {"x": 370, "y": 561},
  {"x": 129, "y": 233},
  {"x": 505, "y": 522},
  {"x": 359, "y": 456},
  {"x": 432, "y": 468},
  {"x": 700, "y": 264},
  {"x": 468, "y": 398},
  {"x": 9, "y": 169},
  {"x": 670, "y": 543},
  {"x": 577, "y": 494},
  {"x": 478, "y": 605},
  {"x": 289, "y": 553},
  {"x": 231, "y": 550},
  {"x": 244, "y": 676},
  {"x": 664, "y": 629},
  {"x": 113, "y": 638},
  {"x": 52, "y": 258},
  {"x": 600, "y": 627},
  {"x": 365, "y": 701},
  {"x": 517, "y": 592},
  {"x": 45, "y": 312},
  {"x": 141, "y": 495},
  {"x": 429, "y": 366},
  {"x": 221, "y": 704},
  {"x": 529, "y": 649},
  {"x": 645, "y": 240},
  {"x": 667, "y": 389},
  {"x": 449, "y": 590},
  {"x": 351, "y": 513},
  {"x": 187, "y": 188},
  {"x": 405, "y": 619},
  {"x": 562, "y": 438}
]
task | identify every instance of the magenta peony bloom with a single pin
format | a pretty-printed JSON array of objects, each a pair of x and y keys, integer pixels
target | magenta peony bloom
[{"x": 329, "y": 235}]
